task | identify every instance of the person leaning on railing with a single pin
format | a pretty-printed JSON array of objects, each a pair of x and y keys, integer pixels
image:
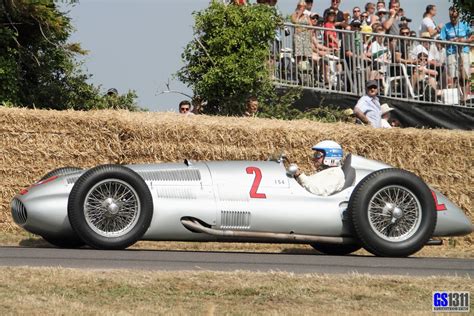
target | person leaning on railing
[
  {"x": 319, "y": 49},
  {"x": 428, "y": 24},
  {"x": 380, "y": 55},
  {"x": 302, "y": 36},
  {"x": 422, "y": 74},
  {"x": 330, "y": 37},
  {"x": 354, "y": 49},
  {"x": 339, "y": 15},
  {"x": 403, "y": 48},
  {"x": 435, "y": 61},
  {"x": 457, "y": 55}
]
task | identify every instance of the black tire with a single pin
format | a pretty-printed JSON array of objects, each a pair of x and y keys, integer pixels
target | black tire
[
  {"x": 400, "y": 203},
  {"x": 92, "y": 224},
  {"x": 67, "y": 243},
  {"x": 336, "y": 250},
  {"x": 60, "y": 172}
]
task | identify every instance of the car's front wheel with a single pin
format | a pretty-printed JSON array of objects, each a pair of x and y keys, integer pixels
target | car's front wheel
[
  {"x": 110, "y": 207},
  {"x": 392, "y": 212}
]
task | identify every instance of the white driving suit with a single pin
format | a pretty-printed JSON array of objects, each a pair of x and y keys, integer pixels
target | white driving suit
[{"x": 325, "y": 182}]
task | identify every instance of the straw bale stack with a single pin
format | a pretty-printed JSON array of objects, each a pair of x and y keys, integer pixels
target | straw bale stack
[{"x": 34, "y": 142}]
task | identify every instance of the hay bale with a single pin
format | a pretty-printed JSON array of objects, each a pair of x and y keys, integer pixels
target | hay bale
[{"x": 34, "y": 142}]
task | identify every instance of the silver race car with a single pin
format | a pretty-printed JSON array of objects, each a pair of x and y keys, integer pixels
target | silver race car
[{"x": 387, "y": 211}]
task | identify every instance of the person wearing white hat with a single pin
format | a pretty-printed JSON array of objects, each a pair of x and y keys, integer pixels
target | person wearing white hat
[{"x": 386, "y": 109}]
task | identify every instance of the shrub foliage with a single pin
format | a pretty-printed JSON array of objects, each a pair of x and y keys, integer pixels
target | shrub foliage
[
  {"x": 37, "y": 64},
  {"x": 228, "y": 59}
]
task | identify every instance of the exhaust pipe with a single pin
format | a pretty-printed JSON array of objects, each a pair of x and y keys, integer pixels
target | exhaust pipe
[
  {"x": 434, "y": 242},
  {"x": 196, "y": 226}
]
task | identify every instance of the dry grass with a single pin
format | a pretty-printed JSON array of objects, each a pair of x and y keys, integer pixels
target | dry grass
[
  {"x": 40, "y": 291},
  {"x": 34, "y": 142}
]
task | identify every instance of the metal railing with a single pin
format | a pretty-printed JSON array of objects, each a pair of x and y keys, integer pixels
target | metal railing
[{"x": 341, "y": 61}]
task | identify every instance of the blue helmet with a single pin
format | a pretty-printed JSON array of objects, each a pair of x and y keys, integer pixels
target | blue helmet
[{"x": 333, "y": 153}]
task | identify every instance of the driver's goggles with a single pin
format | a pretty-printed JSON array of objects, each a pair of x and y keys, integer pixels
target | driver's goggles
[{"x": 318, "y": 155}]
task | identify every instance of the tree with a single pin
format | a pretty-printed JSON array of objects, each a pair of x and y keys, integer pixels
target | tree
[
  {"x": 37, "y": 64},
  {"x": 228, "y": 60},
  {"x": 465, "y": 8}
]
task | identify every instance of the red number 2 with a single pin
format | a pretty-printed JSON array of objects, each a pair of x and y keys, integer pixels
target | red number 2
[{"x": 256, "y": 183}]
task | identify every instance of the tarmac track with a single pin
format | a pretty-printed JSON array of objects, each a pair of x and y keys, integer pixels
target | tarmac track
[{"x": 231, "y": 261}]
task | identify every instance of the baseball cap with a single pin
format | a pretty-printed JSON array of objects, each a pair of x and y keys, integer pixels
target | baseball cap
[
  {"x": 356, "y": 23},
  {"x": 371, "y": 83}
]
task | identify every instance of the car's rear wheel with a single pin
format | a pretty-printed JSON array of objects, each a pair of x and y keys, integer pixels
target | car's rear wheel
[
  {"x": 60, "y": 172},
  {"x": 110, "y": 207},
  {"x": 392, "y": 212},
  {"x": 336, "y": 250}
]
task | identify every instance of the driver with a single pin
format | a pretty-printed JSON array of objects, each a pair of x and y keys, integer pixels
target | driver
[{"x": 327, "y": 161}]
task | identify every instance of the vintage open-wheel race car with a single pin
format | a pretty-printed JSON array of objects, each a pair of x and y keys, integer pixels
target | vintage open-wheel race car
[{"x": 387, "y": 211}]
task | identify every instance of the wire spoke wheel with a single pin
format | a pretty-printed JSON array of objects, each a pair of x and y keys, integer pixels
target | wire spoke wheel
[
  {"x": 112, "y": 208},
  {"x": 394, "y": 213}
]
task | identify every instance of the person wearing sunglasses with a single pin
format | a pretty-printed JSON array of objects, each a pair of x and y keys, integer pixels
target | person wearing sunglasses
[
  {"x": 339, "y": 20},
  {"x": 368, "y": 109},
  {"x": 423, "y": 76},
  {"x": 329, "y": 177},
  {"x": 370, "y": 10},
  {"x": 185, "y": 107},
  {"x": 356, "y": 15},
  {"x": 459, "y": 71},
  {"x": 401, "y": 49}
]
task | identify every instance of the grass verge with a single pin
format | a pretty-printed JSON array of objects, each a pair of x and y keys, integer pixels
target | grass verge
[{"x": 69, "y": 291}]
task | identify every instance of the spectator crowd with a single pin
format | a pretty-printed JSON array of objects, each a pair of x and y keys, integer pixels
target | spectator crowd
[{"x": 378, "y": 40}]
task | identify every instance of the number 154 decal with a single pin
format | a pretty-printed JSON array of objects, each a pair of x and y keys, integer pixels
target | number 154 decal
[{"x": 256, "y": 183}]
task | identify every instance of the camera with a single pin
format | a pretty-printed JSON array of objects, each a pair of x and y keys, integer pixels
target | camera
[{"x": 405, "y": 19}]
